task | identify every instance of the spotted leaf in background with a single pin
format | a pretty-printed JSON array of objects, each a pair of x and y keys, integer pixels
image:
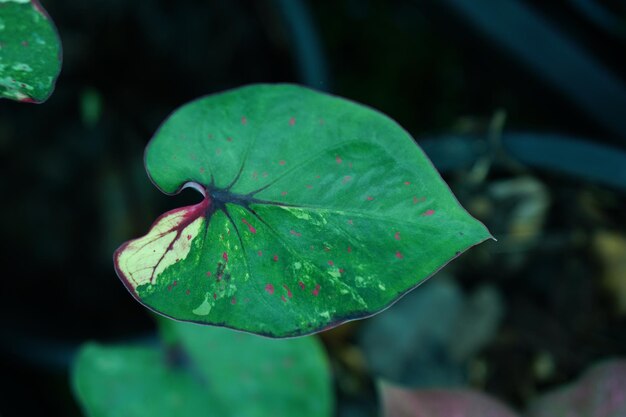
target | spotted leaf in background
[
  {"x": 30, "y": 51},
  {"x": 202, "y": 371},
  {"x": 316, "y": 211}
]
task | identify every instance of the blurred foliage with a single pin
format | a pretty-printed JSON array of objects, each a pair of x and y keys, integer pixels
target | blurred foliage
[
  {"x": 205, "y": 371},
  {"x": 74, "y": 187},
  {"x": 429, "y": 337},
  {"x": 401, "y": 402},
  {"x": 30, "y": 52},
  {"x": 600, "y": 392}
]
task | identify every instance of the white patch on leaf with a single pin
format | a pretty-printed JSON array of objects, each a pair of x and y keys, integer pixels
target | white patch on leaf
[
  {"x": 203, "y": 309},
  {"x": 144, "y": 259},
  {"x": 22, "y": 67}
]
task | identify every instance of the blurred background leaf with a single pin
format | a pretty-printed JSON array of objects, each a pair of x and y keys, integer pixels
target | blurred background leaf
[
  {"x": 428, "y": 338},
  {"x": 401, "y": 402},
  {"x": 30, "y": 51},
  {"x": 205, "y": 371},
  {"x": 601, "y": 391}
]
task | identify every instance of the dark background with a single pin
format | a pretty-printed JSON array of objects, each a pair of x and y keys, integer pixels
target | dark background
[{"x": 520, "y": 104}]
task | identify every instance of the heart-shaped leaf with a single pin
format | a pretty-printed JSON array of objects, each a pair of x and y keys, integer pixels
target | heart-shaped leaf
[
  {"x": 600, "y": 392},
  {"x": 205, "y": 372},
  {"x": 30, "y": 51},
  {"x": 316, "y": 211},
  {"x": 400, "y": 402}
]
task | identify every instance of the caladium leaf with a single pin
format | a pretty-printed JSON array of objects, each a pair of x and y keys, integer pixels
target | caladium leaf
[
  {"x": 600, "y": 392},
  {"x": 316, "y": 211},
  {"x": 30, "y": 51},
  {"x": 401, "y": 402},
  {"x": 205, "y": 372}
]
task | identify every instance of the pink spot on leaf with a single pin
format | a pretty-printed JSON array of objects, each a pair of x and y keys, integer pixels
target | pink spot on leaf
[
  {"x": 208, "y": 274},
  {"x": 229, "y": 139},
  {"x": 338, "y": 159},
  {"x": 281, "y": 162},
  {"x": 309, "y": 186},
  {"x": 283, "y": 193},
  {"x": 407, "y": 183},
  {"x": 397, "y": 236},
  {"x": 214, "y": 296},
  {"x": 428, "y": 213},
  {"x": 349, "y": 249},
  {"x": 292, "y": 121},
  {"x": 289, "y": 294},
  {"x": 282, "y": 297},
  {"x": 399, "y": 255},
  {"x": 341, "y": 270},
  {"x": 316, "y": 291},
  {"x": 269, "y": 288},
  {"x": 369, "y": 198},
  {"x": 250, "y": 227},
  {"x": 187, "y": 292},
  {"x": 275, "y": 258},
  {"x": 301, "y": 284},
  {"x": 293, "y": 232},
  {"x": 346, "y": 179},
  {"x": 175, "y": 283},
  {"x": 244, "y": 121},
  {"x": 331, "y": 263},
  {"x": 260, "y": 253},
  {"x": 188, "y": 237},
  {"x": 225, "y": 256},
  {"x": 233, "y": 301}
]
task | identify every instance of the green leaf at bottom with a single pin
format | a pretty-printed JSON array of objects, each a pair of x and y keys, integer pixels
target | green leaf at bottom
[{"x": 205, "y": 372}]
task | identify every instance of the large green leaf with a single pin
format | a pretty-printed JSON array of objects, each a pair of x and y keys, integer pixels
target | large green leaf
[
  {"x": 205, "y": 372},
  {"x": 316, "y": 211},
  {"x": 30, "y": 51}
]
